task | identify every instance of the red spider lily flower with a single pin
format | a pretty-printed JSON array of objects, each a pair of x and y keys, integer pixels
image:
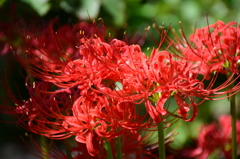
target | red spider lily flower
[
  {"x": 114, "y": 63},
  {"x": 85, "y": 121},
  {"x": 112, "y": 83},
  {"x": 118, "y": 63},
  {"x": 209, "y": 51},
  {"x": 215, "y": 48},
  {"x": 176, "y": 78},
  {"x": 93, "y": 114},
  {"x": 42, "y": 112},
  {"x": 98, "y": 64},
  {"x": 96, "y": 115},
  {"x": 212, "y": 138},
  {"x": 48, "y": 54},
  {"x": 141, "y": 79}
]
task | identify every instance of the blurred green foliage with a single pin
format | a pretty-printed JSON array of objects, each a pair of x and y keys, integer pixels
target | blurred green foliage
[{"x": 131, "y": 14}]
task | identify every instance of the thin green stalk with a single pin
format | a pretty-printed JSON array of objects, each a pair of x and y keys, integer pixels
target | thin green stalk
[
  {"x": 233, "y": 120},
  {"x": 118, "y": 148},
  {"x": 161, "y": 145},
  {"x": 109, "y": 150},
  {"x": 234, "y": 131},
  {"x": 67, "y": 148},
  {"x": 44, "y": 147}
]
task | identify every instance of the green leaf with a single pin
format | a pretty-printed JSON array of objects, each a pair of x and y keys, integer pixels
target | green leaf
[
  {"x": 89, "y": 9},
  {"x": 40, "y": 6},
  {"x": 116, "y": 9}
]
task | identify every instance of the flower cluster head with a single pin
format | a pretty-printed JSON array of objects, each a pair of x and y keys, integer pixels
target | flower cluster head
[
  {"x": 98, "y": 90},
  {"x": 212, "y": 139},
  {"x": 214, "y": 48}
]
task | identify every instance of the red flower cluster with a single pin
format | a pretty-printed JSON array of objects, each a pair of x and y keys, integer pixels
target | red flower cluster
[
  {"x": 215, "y": 137},
  {"x": 93, "y": 89},
  {"x": 214, "y": 48}
]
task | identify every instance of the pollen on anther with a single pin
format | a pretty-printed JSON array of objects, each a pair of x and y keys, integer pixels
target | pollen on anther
[
  {"x": 148, "y": 28},
  {"x": 33, "y": 84},
  {"x": 30, "y": 99},
  {"x": 26, "y": 84},
  {"x": 161, "y": 27},
  {"x": 70, "y": 96}
]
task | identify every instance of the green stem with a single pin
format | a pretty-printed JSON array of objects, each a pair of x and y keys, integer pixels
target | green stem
[
  {"x": 161, "y": 145},
  {"x": 44, "y": 147},
  {"x": 109, "y": 150},
  {"x": 67, "y": 148},
  {"x": 234, "y": 131},
  {"x": 118, "y": 148},
  {"x": 233, "y": 119}
]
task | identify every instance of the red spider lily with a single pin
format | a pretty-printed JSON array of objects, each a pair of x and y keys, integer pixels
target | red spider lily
[
  {"x": 96, "y": 115},
  {"x": 42, "y": 112},
  {"x": 92, "y": 113},
  {"x": 212, "y": 138},
  {"x": 215, "y": 48},
  {"x": 49, "y": 53},
  {"x": 62, "y": 113},
  {"x": 173, "y": 77},
  {"x": 109, "y": 83},
  {"x": 140, "y": 78},
  {"x": 114, "y": 63},
  {"x": 211, "y": 50},
  {"x": 118, "y": 63},
  {"x": 99, "y": 66}
]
